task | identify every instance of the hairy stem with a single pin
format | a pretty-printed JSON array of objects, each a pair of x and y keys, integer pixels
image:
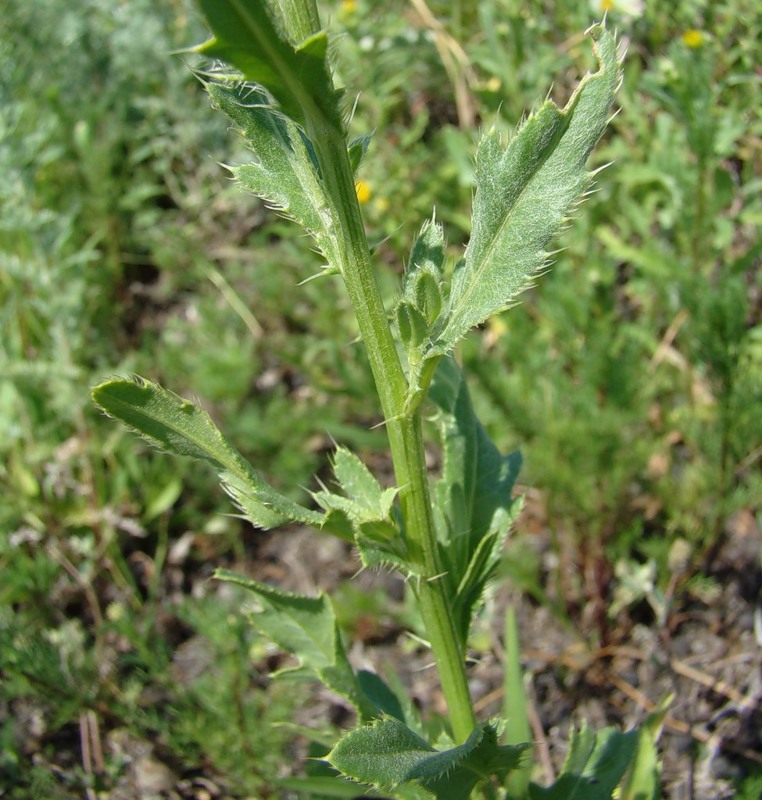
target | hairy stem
[{"x": 404, "y": 430}]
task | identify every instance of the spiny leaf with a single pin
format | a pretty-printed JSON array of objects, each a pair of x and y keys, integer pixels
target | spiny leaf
[
  {"x": 419, "y": 308},
  {"x": 167, "y": 421},
  {"x": 247, "y": 37},
  {"x": 179, "y": 427},
  {"x": 285, "y": 172},
  {"x": 263, "y": 506},
  {"x": 387, "y": 754},
  {"x": 363, "y": 513},
  {"x": 524, "y": 193},
  {"x": 365, "y": 504}
]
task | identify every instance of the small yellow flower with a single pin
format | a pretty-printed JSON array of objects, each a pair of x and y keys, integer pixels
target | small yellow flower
[
  {"x": 363, "y": 192},
  {"x": 607, "y": 5},
  {"x": 693, "y": 38},
  {"x": 381, "y": 205},
  {"x": 349, "y": 6}
]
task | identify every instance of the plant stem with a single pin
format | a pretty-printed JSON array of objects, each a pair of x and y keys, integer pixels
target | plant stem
[
  {"x": 404, "y": 430},
  {"x": 300, "y": 18}
]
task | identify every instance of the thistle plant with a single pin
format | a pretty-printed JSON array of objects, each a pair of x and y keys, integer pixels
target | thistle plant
[{"x": 272, "y": 77}]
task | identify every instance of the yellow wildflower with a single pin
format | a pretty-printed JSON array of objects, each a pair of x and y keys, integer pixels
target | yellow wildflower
[
  {"x": 693, "y": 38},
  {"x": 363, "y": 191},
  {"x": 349, "y": 6}
]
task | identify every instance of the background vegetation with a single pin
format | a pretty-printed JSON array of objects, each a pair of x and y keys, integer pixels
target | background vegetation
[{"x": 632, "y": 381}]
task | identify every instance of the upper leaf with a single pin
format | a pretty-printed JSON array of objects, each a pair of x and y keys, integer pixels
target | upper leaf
[
  {"x": 285, "y": 172},
  {"x": 420, "y": 306},
  {"x": 298, "y": 77},
  {"x": 524, "y": 193},
  {"x": 180, "y": 427}
]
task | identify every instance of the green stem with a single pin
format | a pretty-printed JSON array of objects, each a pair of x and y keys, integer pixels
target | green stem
[
  {"x": 404, "y": 430},
  {"x": 301, "y": 19}
]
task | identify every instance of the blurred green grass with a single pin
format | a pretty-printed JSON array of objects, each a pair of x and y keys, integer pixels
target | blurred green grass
[{"x": 631, "y": 379}]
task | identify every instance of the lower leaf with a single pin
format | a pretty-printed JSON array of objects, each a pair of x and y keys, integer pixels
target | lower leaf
[{"x": 388, "y": 754}]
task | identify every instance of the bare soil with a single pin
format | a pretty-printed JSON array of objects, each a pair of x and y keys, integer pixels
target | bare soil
[{"x": 705, "y": 654}]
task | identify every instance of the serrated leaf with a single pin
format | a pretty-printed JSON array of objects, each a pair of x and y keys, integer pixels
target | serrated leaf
[
  {"x": 285, "y": 172},
  {"x": 299, "y": 79},
  {"x": 365, "y": 509},
  {"x": 383, "y": 754},
  {"x": 524, "y": 193},
  {"x": 306, "y": 627},
  {"x": 388, "y": 754},
  {"x": 180, "y": 427},
  {"x": 593, "y": 768},
  {"x": 263, "y": 506},
  {"x": 426, "y": 257},
  {"x": 474, "y": 492},
  {"x": 419, "y": 308},
  {"x": 359, "y": 483},
  {"x": 487, "y": 760},
  {"x": 364, "y": 502}
]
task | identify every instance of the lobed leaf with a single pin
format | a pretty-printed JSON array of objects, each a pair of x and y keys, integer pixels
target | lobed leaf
[
  {"x": 362, "y": 501},
  {"x": 306, "y": 627},
  {"x": 298, "y": 77},
  {"x": 180, "y": 427},
  {"x": 524, "y": 193},
  {"x": 363, "y": 512}
]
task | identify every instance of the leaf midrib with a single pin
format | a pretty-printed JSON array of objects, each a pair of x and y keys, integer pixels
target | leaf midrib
[{"x": 488, "y": 256}]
